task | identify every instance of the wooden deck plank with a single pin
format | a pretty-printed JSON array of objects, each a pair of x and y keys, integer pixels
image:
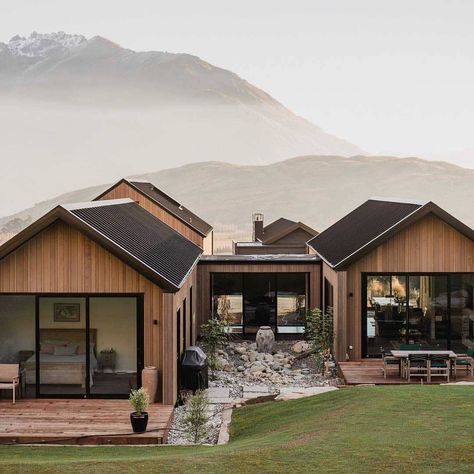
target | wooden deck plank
[
  {"x": 369, "y": 371},
  {"x": 79, "y": 422}
]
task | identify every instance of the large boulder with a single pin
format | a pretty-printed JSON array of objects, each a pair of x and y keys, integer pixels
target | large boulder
[{"x": 300, "y": 346}]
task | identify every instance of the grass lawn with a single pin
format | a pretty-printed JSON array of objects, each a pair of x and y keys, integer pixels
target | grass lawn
[{"x": 359, "y": 429}]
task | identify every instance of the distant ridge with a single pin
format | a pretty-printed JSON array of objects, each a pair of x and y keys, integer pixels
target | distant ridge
[{"x": 316, "y": 190}]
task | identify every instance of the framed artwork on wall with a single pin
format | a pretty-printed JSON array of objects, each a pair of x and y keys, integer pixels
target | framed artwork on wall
[{"x": 67, "y": 312}]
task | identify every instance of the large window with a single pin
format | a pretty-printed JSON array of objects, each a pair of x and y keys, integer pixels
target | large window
[
  {"x": 73, "y": 346},
  {"x": 250, "y": 300},
  {"x": 435, "y": 311}
]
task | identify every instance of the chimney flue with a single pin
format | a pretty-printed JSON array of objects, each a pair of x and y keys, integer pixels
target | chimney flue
[{"x": 257, "y": 220}]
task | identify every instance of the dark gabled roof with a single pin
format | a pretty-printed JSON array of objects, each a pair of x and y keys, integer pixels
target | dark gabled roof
[
  {"x": 369, "y": 225},
  {"x": 128, "y": 231},
  {"x": 150, "y": 191},
  {"x": 281, "y": 227}
]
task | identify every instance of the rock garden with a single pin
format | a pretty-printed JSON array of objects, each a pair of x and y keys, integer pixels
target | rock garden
[{"x": 243, "y": 371}]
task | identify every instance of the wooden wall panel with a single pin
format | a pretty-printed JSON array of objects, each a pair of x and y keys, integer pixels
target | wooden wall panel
[
  {"x": 338, "y": 280},
  {"x": 60, "y": 259},
  {"x": 123, "y": 190},
  {"x": 203, "y": 310},
  {"x": 174, "y": 302},
  {"x": 428, "y": 246}
]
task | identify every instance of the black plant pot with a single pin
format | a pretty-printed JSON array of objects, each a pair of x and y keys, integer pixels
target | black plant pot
[{"x": 139, "y": 421}]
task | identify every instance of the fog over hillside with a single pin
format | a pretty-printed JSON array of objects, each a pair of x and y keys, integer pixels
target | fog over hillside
[
  {"x": 317, "y": 190},
  {"x": 76, "y": 112}
]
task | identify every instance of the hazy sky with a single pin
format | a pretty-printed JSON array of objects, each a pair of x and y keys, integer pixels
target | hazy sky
[{"x": 391, "y": 76}]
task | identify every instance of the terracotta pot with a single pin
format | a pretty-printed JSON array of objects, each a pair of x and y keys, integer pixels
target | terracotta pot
[
  {"x": 150, "y": 382},
  {"x": 265, "y": 339}
]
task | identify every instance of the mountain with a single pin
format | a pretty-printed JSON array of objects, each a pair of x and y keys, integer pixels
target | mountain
[
  {"x": 317, "y": 190},
  {"x": 77, "y": 111}
]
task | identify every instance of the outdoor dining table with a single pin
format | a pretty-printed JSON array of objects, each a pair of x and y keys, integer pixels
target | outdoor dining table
[{"x": 404, "y": 354}]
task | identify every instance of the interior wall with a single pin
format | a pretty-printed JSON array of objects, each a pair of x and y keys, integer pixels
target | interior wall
[{"x": 115, "y": 321}]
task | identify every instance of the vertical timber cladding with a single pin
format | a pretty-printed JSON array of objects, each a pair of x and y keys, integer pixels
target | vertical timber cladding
[
  {"x": 61, "y": 259},
  {"x": 203, "y": 309},
  {"x": 171, "y": 303},
  {"x": 124, "y": 190},
  {"x": 427, "y": 246},
  {"x": 338, "y": 280}
]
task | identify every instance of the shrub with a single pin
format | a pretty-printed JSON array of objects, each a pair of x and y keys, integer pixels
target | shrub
[
  {"x": 139, "y": 400},
  {"x": 319, "y": 332},
  {"x": 196, "y": 418},
  {"x": 213, "y": 335}
]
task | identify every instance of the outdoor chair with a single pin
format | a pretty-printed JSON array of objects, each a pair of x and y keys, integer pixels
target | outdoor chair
[
  {"x": 389, "y": 361},
  {"x": 10, "y": 378},
  {"x": 439, "y": 366},
  {"x": 464, "y": 362},
  {"x": 417, "y": 366}
]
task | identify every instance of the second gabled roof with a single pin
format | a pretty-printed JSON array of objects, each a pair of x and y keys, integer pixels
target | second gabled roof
[
  {"x": 372, "y": 223},
  {"x": 281, "y": 227},
  {"x": 129, "y": 232},
  {"x": 160, "y": 198}
]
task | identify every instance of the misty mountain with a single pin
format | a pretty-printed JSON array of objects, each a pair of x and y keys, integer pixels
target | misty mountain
[
  {"x": 317, "y": 190},
  {"x": 77, "y": 111}
]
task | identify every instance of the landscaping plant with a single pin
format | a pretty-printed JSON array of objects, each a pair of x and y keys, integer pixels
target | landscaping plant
[
  {"x": 139, "y": 400},
  {"x": 319, "y": 333},
  {"x": 214, "y": 337},
  {"x": 196, "y": 418}
]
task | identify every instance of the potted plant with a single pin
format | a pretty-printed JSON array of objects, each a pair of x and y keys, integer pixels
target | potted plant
[{"x": 139, "y": 418}]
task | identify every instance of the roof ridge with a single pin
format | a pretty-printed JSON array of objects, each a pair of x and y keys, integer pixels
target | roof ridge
[
  {"x": 91, "y": 204},
  {"x": 399, "y": 200}
]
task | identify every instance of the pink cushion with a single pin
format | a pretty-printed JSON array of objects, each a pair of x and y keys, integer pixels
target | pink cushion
[{"x": 47, "y": 348}]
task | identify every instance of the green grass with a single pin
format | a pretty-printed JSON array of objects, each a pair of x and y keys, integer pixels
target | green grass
[{"x": 360, "y": 429}]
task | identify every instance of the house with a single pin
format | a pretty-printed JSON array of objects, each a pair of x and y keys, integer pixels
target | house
[
  {"x": 282, "y": 236},
  {"x": 398, "y": 272},
  {"x": 93, "y": 292},
  {"x": 91, "y": 277}
]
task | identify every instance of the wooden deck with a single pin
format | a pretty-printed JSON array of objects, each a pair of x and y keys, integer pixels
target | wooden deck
[
  {"x": 48, "y": 421},
  {"x": 369, "y": 371}
]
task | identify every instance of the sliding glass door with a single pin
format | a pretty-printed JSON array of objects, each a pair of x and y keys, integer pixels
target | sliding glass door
[
  {"x": 18, "y": 337},
  {"x": 62, "y": 346},
  {"x": 428, "y": 311},
  {"x": 386, "y": 317},
  {"x": 435, "y": 311},
  {"x": 113, "y": 345}
]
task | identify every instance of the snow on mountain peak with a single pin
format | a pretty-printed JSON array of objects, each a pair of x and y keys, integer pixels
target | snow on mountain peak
[{"x": 39, "y": 45}]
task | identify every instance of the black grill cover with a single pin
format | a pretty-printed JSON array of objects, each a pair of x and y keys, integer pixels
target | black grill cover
[{"x": 194, "y": 369}]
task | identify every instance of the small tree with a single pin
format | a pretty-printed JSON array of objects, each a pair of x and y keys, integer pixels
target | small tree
[
  {"x": 213, "y": 334},
  {"x": 196, "y": 418},
  {"x": 319, "y": 333}
]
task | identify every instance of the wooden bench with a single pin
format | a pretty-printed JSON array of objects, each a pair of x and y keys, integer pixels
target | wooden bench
[{"x": 10, "y": 377}]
